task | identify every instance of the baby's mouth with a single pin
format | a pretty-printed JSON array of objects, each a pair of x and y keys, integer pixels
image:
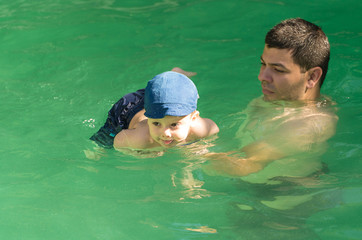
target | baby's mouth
[{"x": 167, "y": 142}]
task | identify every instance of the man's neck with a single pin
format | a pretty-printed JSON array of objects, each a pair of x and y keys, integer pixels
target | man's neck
[{"x": 312, "y": 94}]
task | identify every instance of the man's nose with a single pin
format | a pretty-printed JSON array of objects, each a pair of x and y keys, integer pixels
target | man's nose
[{"x": 265, "y": 74}]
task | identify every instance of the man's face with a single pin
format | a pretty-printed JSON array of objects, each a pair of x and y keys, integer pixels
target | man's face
[{"x": 280, "y": 77}]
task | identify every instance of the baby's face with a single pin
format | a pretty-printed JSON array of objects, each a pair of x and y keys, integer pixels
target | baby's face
[{"x": 170, "y": 131}]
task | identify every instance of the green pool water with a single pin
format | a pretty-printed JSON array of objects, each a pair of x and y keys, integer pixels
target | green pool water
[{"x": 64, "y": 63}]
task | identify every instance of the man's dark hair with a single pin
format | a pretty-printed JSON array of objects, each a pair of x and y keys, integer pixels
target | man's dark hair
[{"x": 309, "y": 45}]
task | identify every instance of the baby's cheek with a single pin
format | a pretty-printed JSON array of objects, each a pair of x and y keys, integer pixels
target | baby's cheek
[{"x": 153, "y": 133}]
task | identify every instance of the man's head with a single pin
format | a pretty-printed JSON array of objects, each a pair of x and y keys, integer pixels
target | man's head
[
  {"x": 307, "y": 47},
  {"x": 170, "y": 104}
]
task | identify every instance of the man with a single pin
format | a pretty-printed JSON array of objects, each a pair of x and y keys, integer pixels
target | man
[{"x": 285, "y": 132}]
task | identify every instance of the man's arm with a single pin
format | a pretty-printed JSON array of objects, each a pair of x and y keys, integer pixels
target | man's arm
[
  {"x": 291, "y": 138},
  {"x": 252, "y": 158}
]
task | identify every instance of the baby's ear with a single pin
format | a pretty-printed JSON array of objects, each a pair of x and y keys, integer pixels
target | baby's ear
[{"x": 195, "y": 115}]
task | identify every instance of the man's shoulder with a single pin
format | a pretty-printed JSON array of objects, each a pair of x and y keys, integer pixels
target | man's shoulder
[
  {"x": 321, "y": 111},
  {"x": 315, "y": 122}
]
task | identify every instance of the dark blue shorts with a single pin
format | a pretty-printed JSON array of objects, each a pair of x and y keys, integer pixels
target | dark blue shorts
[{"x": 119, "y": 118}]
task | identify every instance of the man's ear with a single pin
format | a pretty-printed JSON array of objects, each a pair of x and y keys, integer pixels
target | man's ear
[
  {"x": 313, "y": 77},
  {"x": 195, "y": 115}
]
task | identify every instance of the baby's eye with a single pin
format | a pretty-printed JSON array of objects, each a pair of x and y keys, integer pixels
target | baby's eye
[
  {"x": 157, "y": 124},
  {"x": 174, "y": 125}
]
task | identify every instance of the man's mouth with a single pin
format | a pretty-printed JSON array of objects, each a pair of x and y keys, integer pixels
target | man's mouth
[{"x": 267, "y": 91}]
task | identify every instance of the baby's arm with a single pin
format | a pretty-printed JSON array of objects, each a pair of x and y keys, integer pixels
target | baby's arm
[
  {"x": 204, "y": 127},
  {"x": 123, "y": 139},
  {"x": 131, "y": 139},
  {"x": 135, "y": 142},
  {"x": 211, "y": 126}
]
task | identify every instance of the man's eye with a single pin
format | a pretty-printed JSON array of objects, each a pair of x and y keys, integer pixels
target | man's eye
[
  {"x": 279, "y": 70},
  {"x": 263, "y": 64}
]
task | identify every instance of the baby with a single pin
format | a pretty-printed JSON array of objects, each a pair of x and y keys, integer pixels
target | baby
[{"x": 161, "y": 116}]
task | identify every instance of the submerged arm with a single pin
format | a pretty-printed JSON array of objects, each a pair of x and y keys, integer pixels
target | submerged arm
[
  {"x": 289, "y": 139},
  {"x": 250, "y": 159}
]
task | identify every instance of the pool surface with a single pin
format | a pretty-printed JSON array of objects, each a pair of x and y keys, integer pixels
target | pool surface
[{"x": 64, "y": 63}]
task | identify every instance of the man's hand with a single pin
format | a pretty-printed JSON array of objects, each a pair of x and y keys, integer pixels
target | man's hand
[{"x": 231, "y": 164}]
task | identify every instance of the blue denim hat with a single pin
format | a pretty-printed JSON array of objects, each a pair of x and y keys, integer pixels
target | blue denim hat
[{"x": 170, "y": 93}]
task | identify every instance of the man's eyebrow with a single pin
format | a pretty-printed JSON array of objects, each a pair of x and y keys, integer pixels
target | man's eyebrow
[{"x": 274, "y": 64}]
